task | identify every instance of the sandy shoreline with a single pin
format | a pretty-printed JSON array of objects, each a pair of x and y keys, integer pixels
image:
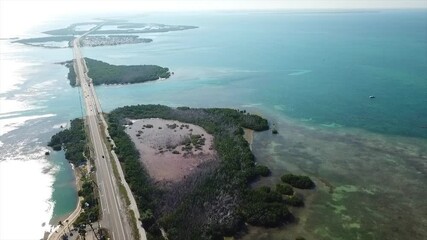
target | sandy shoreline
[
  {"x": 249, "y": 136},
  {"x": 171, "y": 150},
  {"x": 56, "y": 230}
]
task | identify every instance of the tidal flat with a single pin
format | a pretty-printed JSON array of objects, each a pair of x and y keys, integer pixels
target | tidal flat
[{"x": 369, "y": 186}]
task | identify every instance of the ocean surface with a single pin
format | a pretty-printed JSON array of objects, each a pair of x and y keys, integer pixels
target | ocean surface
[{"x": 309, "y": 73}]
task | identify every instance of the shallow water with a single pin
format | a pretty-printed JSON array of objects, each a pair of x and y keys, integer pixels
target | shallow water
[
  {"x": 369, "y": 186},
  {"x": 309, "y": 73},
  {"x": 35, "y": 100}
]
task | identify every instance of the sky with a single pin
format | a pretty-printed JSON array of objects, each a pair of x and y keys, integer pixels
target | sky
[{"x": 16, "y": 16}]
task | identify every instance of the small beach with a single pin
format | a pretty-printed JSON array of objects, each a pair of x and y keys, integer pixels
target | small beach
[{"x": 249, "y": 136}]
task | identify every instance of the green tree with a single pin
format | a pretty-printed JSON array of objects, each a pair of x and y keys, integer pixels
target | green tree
[{"x": 298, "y": 181}]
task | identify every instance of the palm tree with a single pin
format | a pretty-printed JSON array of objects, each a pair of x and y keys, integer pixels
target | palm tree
[
  {"x": 82, "y": 231},
  {"x": 68, "y": 226}
]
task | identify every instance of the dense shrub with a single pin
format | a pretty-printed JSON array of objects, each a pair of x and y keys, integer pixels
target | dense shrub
[
  {"x": 264, "y": 207},
  {"x": 71, "y": 73},
  {"x": 284, "y": 189},
  {"x": 262, "y": 171},
  {"x": 104, "y": 73},
  {"x": 73, "y": 140},
  {"x": 298, "y": 181},
  {"x": 294, "y": 200},
  {"x": 205, "y": 206},
  {"x": 89, "y": 203}
]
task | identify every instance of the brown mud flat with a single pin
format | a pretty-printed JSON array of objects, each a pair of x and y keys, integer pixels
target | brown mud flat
[{"x": 171, "y": 150}]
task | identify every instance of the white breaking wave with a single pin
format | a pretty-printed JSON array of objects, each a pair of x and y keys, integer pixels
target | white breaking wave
[
  {"x": 28, "y": 183},
  {"x": 299, "y": 72},
  {"x": 10, "y": 124},
  {"x": 63, "y": 125},
  {"x": 11, "y": 74}
]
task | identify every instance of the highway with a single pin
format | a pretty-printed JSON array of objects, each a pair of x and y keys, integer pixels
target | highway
[{"x": 113, "y": 210}]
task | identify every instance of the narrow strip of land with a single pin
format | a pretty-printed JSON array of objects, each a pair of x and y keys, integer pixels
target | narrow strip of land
[
  {"x": 119, "y": 213},
  {"x": 113, "y": 210},
  {"x": 112, "y": 217}
]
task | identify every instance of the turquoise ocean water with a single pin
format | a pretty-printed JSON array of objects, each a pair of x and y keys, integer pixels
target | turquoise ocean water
[{"x": 310, "y": 73}]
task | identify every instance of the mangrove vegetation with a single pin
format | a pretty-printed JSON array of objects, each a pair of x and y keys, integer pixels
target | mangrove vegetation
[
  {"x": 89, "y": 203},
  {"x": 298, "y": 181},
  {"x": 212, "y": 204},
  {"x": 73, "y": 141},
  {"x": 104, "y": 73}
]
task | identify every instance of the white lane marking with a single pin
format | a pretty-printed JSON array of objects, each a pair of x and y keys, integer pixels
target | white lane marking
[
  {"x": 106, "y": 205},
  {"x": 113, "y": 187},
  {"x": 97, "y": 139}
]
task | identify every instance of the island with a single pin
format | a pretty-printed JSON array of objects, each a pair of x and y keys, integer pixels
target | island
[
  {"x": 87, "y": 41},
  {"x": 111, "y": 40},
  {"x": 104, "y": 73},
  {"x": 116, "y": 27},
  {"x": 298, "y": 181},
  {"x": 47, "y": 42},
  {"x": 190, "y": 170},
  {"x": 104, "y": 32}
]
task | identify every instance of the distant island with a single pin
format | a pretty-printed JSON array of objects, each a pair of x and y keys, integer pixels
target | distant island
[
  {"x": 111, "y": 40},
  {"x": 104, "y": 73},
  {"x": 10, "y": 38},
  {"x": 117, "y": 27},
  {"x": 87, "y": 41},
  {"x": 100, "y": 33},
  {"x": 47, "y": 42}
]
